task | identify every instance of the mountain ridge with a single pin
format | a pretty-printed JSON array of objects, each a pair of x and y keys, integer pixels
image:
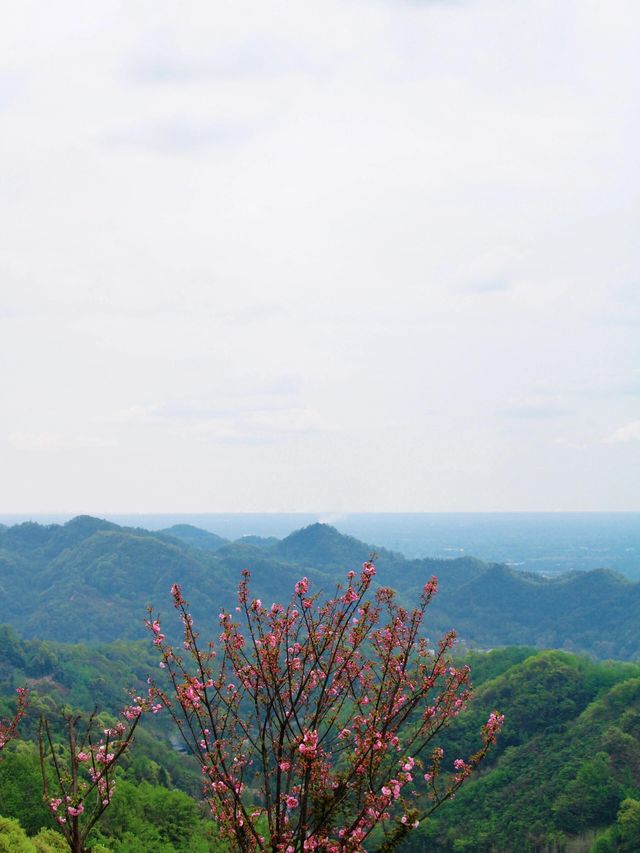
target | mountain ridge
[{"x": 91, "y": 580}]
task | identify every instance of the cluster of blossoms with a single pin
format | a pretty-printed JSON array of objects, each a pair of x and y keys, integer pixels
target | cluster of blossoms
[
  {"x": 318, "y": 717},
  {"x": 54, "y": 804},
  {"x": 79, "y": 776},
  {"x": 9, "y": 728}
]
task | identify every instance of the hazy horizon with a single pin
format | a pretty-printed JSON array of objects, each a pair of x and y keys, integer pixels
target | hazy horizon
[{"x": 548, "y": 543}]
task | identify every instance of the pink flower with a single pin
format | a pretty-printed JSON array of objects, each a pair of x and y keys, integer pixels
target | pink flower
[
  {"x": 495, "y": 721},
  {"x": 297, "y": 665},
  {"x": 368, "y": 570},
  {"x": 431, "y": 587},
  {"x": 55, "y": 803},
  {"x": 309, "y": 746}
]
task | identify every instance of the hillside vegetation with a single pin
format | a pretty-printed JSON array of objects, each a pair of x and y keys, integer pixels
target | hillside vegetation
[{"x": 566, "y": 765}]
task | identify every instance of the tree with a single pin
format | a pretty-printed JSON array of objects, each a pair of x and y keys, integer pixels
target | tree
[
  {"x": 314, "y": 723},
  {"x": 9, "y": 727},
  {"x": 591, "y": 799},
  {"x": 629, "y": 824},
  {"x": 83, "y": 770}
]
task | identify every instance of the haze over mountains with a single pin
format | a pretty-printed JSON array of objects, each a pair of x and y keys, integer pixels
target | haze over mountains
[
  {"x": 91, "y": 580},
  {"x": 546, "y": 542}
]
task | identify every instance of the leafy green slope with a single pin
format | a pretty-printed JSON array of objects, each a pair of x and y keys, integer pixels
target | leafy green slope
[
  {"x": 568, "y": 757},
  {"x": 581, "y": 611},
  {"x": 156, "y": 808}
]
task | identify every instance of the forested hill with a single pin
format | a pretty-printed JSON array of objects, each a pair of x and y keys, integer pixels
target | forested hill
[
  {"x": 566, "y": 766},
  {"x": 90, "y": 580}
]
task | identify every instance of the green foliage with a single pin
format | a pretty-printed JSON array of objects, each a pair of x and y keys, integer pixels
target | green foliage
[
  {"x": 145, "y": 814},
  {"x": 50, "y": 841},
  {"x": 570, "y": 754},
  {"x": 21, "y": 787},
  {"x": 629, "y": 825},
  {"x": 13, "y": 838},
  {"x": 488, "y": 665},
  {"x": 567, "y": 757},
  {"x": 603, "y": 844},
  {"x": 150, "y": 819},
  {"x": 144, "y": 818},
  {"x": 590, "y": 799}
]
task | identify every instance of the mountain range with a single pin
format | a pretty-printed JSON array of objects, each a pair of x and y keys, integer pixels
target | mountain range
[{"x": 91, "y": 580}]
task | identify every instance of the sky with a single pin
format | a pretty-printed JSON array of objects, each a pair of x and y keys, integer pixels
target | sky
[{"x": 366, "y": 255}]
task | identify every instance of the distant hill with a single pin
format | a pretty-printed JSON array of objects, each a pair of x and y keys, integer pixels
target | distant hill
[
  {"x": 334, "y": 549},
  {"x": 580, "y": 611},
  {"x": 195, "y": 537},
  {"x": 91, "y": 581},
  {"x": 259, "y": 541}
]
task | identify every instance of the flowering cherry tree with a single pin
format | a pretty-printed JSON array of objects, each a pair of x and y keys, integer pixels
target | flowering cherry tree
[
  {"x": 314, "y": 723},
  {"x": 9, "y": 727},
  {"x": 84, "y": 769}
]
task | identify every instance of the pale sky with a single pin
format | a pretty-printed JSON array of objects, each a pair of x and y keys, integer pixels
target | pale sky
[{"x": 354, "y": 255}]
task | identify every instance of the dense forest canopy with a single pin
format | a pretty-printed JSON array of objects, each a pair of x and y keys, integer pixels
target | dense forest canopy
[{"x": 572, "y": 732}]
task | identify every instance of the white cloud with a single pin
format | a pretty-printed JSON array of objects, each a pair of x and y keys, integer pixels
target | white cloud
[
  {"x": 539, "y": 407},
  {"x": 259, "y": 416},
  {"x": 52, "y": 441},
  {"x": 628, "y": 432}
]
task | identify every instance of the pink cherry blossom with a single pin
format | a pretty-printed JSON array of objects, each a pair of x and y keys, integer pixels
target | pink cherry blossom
[{"x": 318, "y": 708}]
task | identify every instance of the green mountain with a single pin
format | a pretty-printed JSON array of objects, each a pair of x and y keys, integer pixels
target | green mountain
[
  {"x": 195, "y": 536},
  {"x": 569, "y": 756},
  {"x": 91, "y": 581},
  {"x": 593, "y": 612}
]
